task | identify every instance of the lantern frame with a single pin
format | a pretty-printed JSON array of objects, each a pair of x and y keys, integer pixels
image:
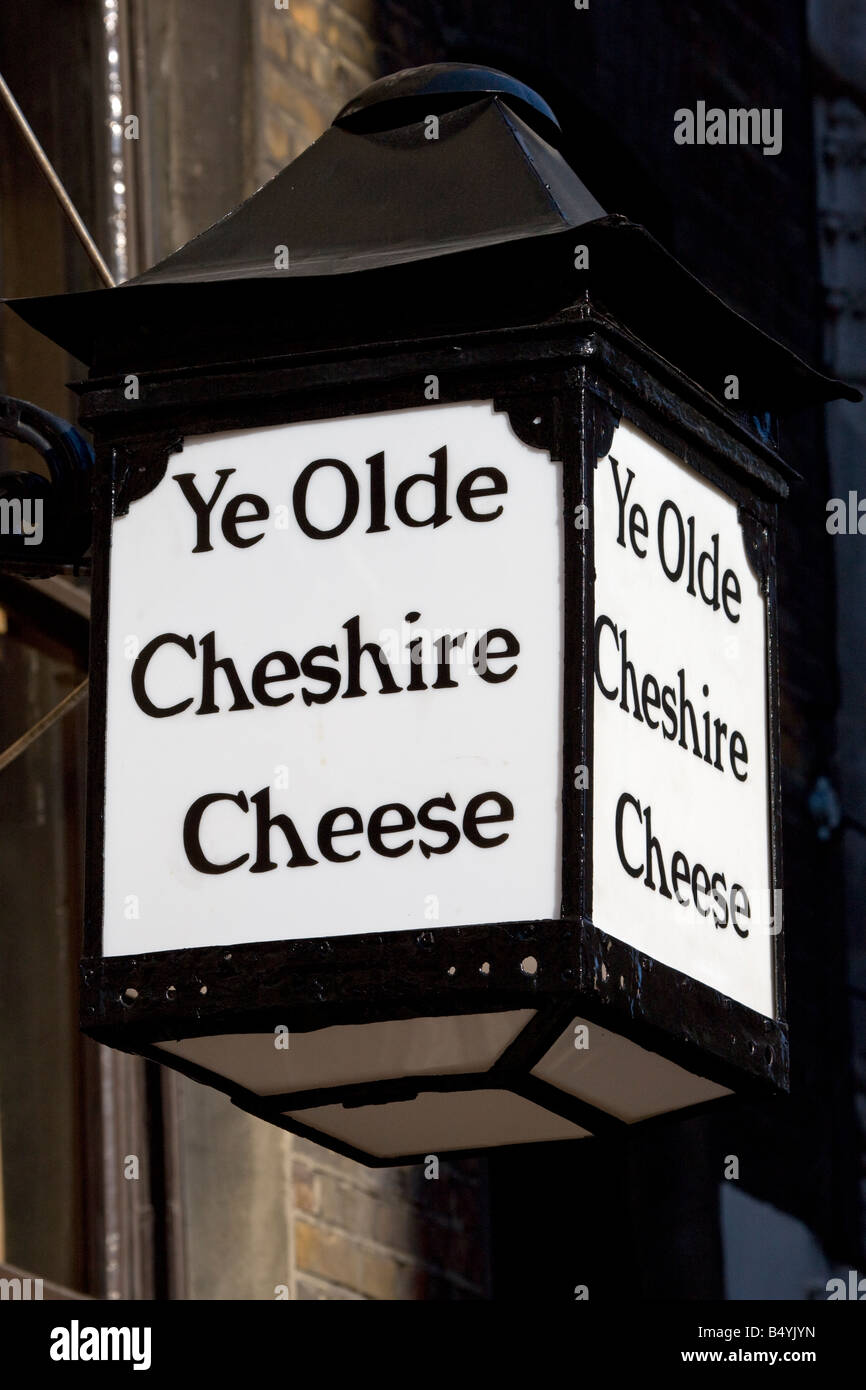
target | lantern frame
[{"x": 564, "y": 384}]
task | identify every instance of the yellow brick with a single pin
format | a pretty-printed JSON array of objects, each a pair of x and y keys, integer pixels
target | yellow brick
[
  {"x": 358, "y": 9},
  {"x": 283, "y": 93},
  {"x": 352, "y": 41},
  {"x": 349, "y": 79},
  {"x": 277, "y": 141},
  {"x": 306, "y": 14},
  {"x": 325, "y": 1253},
  {"x": 379, "y": 1276},
  {"x": 307, "y": 1188},
  {"x": 331, "y": 1255},
  {"x": 275, "y": 33}
]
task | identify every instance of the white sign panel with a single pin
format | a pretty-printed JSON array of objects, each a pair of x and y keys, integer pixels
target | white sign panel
[
  {"x": 334, "y": 684},
  {"x": 680, "y": 795}
]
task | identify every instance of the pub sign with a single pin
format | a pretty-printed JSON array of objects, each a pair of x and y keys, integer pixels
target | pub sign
[{"x": 434, "y": 779}]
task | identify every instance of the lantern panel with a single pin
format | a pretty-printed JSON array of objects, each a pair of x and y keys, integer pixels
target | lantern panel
[
  {"x": 275, "y": 1063},
  {"x": 436, "y": 1122},
  {"x": 682, "y": 851},
  {"x": 336, "y": 702},
  {"x": 598, "y": 1066}
]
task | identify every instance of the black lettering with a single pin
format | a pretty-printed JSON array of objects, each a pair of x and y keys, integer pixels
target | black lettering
[
  {"x": 314, "y": 671},
  {"x": 265, "y": 822},
  {"x": 416, "y": 657},
  {"x": 704, "y": 887},
  {"x": 192, "y": 833},
  {"x": 416, "y": 672},
  {"x": 680, "y": 873},
  {"x": 719, "y": 900},
  {"x": 231, "y": 520},
  {"x": 730, "y": 591},
  {"x": 210, "y": 667},
  {"x": 600, "y": 623},
  {"x": 472, "y": 819},
  {"x": 686, "y": 707},
  {"x": 626, "y": 800},
  {"x": 354, "y": 689},
  {"x": 720, "y": 729},
  {"x": 621, "y": 497},
  {"x": 650, "y": 699},
  {"x": 139, "y": 672},
  {"x": 638, "y": 515},
  {"x": 466, "y": 493},
  {"x": 670, "y": 709},
  {"x": 376, "y": 465},
  {"x": 350, "y": 507},
  {"x": 376, "y": 829},
  {"x": 328, "y": 832},
  {"x": 736, "y": 907},
  {"x": 739, "y": 753},
  {"x": 438, "y": 479},
  {"x": 628, "y": 671},
  {"x": 261, "y": 679},
  {"x": 482, "y": 655},
  {"x": 446, "y": 827},
  {"x": 444, "y": 645},
  {"x": 654, "y": 848},
  {"x": 673, "y": 572},
  {"x": 711, "y": 598},
  {"x": 202, "y": 509}
]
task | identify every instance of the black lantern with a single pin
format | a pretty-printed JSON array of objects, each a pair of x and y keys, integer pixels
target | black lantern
[{"x": 434, "y": 782}]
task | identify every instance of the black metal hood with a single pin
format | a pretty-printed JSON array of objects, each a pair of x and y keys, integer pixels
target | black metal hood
[
  {"x": 361, "y": 199},
  {"x": 394, "y": 223}
]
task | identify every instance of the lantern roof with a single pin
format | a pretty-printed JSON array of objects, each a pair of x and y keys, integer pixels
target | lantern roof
[
  {"x": 363, "y": 199},
  {"x": 414, "y": 93},
  {"x": 439, "y": 198}
]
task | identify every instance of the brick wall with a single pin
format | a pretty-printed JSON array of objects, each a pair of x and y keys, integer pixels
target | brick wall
[
  {"x": 386, "y": 1233},
  {"x": 310, "y": 59}
]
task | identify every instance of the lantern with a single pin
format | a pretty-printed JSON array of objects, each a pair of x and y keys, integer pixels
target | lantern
[{"x": 434, "y": 771}]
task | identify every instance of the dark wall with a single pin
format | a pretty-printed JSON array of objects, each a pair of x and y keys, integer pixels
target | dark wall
[
  {"x": 647, "y": 1211},
  {"x": 39, "y": 253}
]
